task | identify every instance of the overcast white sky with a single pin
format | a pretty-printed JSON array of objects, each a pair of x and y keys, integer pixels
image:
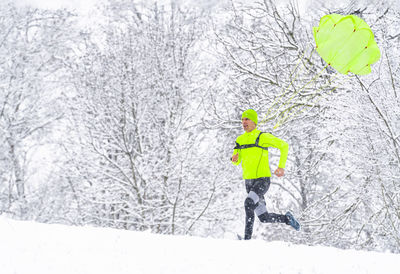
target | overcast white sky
[
  {"x": 84, "y": 6},
  {"x": 80, "y": 5}
]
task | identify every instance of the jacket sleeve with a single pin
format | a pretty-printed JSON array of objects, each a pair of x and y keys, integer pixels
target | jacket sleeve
[
  {"x": 237, "y": 151},
  {"x": 280, "y": 144}
]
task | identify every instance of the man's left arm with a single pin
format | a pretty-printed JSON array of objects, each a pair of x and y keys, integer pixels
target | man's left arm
[{"x": 283, "y": 148}]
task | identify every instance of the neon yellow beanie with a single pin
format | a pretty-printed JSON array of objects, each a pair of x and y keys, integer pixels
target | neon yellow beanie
[{"x": 251, "y": 114}]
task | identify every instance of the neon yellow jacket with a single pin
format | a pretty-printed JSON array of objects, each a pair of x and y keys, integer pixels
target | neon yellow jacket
[{"x": 254, "y": 160}]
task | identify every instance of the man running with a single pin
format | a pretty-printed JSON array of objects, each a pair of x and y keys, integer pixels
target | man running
[{"x": 251, "y": 151}]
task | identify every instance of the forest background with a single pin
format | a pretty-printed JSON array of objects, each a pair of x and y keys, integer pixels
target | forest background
[{"x": 127, "y": 119}]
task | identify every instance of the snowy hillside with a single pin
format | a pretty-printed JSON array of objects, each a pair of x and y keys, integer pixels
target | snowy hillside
[{"x": 27, "y": 247}]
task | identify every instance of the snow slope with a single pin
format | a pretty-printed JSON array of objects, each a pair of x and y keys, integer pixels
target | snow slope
[{"x": 27, "y": 247}]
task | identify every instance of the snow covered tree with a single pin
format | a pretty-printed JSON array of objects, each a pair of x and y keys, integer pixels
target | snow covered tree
[
  {"x": 33, "y": 43},
  {"x": 364, "y": 127},
  {"x": 137, "y": 112}
]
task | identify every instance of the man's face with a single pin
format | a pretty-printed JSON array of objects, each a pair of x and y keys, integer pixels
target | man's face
[{"x": 248, "y": 125}]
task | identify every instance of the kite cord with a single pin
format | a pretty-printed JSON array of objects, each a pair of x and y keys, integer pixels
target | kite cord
[
  {"x": 300, "y": 111},
  {"x": 298, "y": 91},
  {"x": 294, "y": 114},
  {"x": 283, "y": 93}
]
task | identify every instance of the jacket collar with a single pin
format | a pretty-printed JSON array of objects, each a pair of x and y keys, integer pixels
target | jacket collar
[{"x": 253, "y": 132}]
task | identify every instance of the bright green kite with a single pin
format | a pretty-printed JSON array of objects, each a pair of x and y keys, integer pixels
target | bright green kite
[{"x": 346, "y": 43}]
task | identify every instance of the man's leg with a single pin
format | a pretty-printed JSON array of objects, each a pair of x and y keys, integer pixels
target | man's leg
[
  {"x": 256, "y": 188},
  {"x": 261, "y": 187},
  {"x": 249, "y": 206},
  {"x": 273, "y": 218}
]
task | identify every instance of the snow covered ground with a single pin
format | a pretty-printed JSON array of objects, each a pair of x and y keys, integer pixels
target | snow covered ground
[{"x": 28, "y": 247}]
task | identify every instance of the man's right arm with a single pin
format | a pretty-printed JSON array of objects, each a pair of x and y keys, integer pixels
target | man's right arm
[{"x": 236, "y": 159}]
